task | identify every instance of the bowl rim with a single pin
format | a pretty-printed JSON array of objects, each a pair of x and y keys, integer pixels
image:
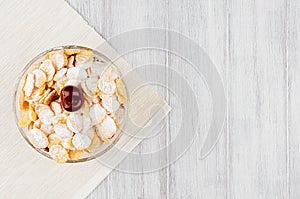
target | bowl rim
[{"x": 15, "y": 104}]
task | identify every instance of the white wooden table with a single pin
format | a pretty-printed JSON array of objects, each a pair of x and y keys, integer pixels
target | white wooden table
[{"x": 255, "y": 46}]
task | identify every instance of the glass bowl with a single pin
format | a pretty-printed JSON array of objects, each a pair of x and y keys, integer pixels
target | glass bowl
[{"x": 98, "y": 60}]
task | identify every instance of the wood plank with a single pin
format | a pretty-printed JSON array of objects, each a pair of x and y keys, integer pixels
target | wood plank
[
  {"x": 258, "y": 99},
  {"x": 205, "y": 23},
  {"x": 293, "y": 60}
]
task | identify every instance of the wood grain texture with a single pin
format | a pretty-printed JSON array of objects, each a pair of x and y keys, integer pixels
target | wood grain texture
[
  {"x": 258, "y": 100},
  {"x": 293, "y": 63},
  {"x": 192, "y": 177},
  {"x": 255, "y": 46}
]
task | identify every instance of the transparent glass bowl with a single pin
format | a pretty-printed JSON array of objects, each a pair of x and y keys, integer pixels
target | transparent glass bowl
[{"x": 87, "y": 156}]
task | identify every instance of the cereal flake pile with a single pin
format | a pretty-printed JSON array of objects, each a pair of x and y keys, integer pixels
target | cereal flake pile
[{"x": 69, "y": 135}]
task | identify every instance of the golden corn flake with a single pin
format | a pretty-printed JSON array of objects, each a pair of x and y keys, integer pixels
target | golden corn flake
[
  {"x": 75, "y": 154},
  {"x": 24, "y": 120},
  {"x": 58, "y": 153}
]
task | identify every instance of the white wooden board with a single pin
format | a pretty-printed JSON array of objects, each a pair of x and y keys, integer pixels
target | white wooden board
[{"x": 255, "y": 46}]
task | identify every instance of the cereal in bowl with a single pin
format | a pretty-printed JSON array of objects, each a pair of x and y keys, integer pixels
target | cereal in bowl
[{"x": 71, "y": 103}]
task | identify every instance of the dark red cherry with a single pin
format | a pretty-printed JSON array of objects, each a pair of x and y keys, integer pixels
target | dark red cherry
[{"x": 71, "y": 98}]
